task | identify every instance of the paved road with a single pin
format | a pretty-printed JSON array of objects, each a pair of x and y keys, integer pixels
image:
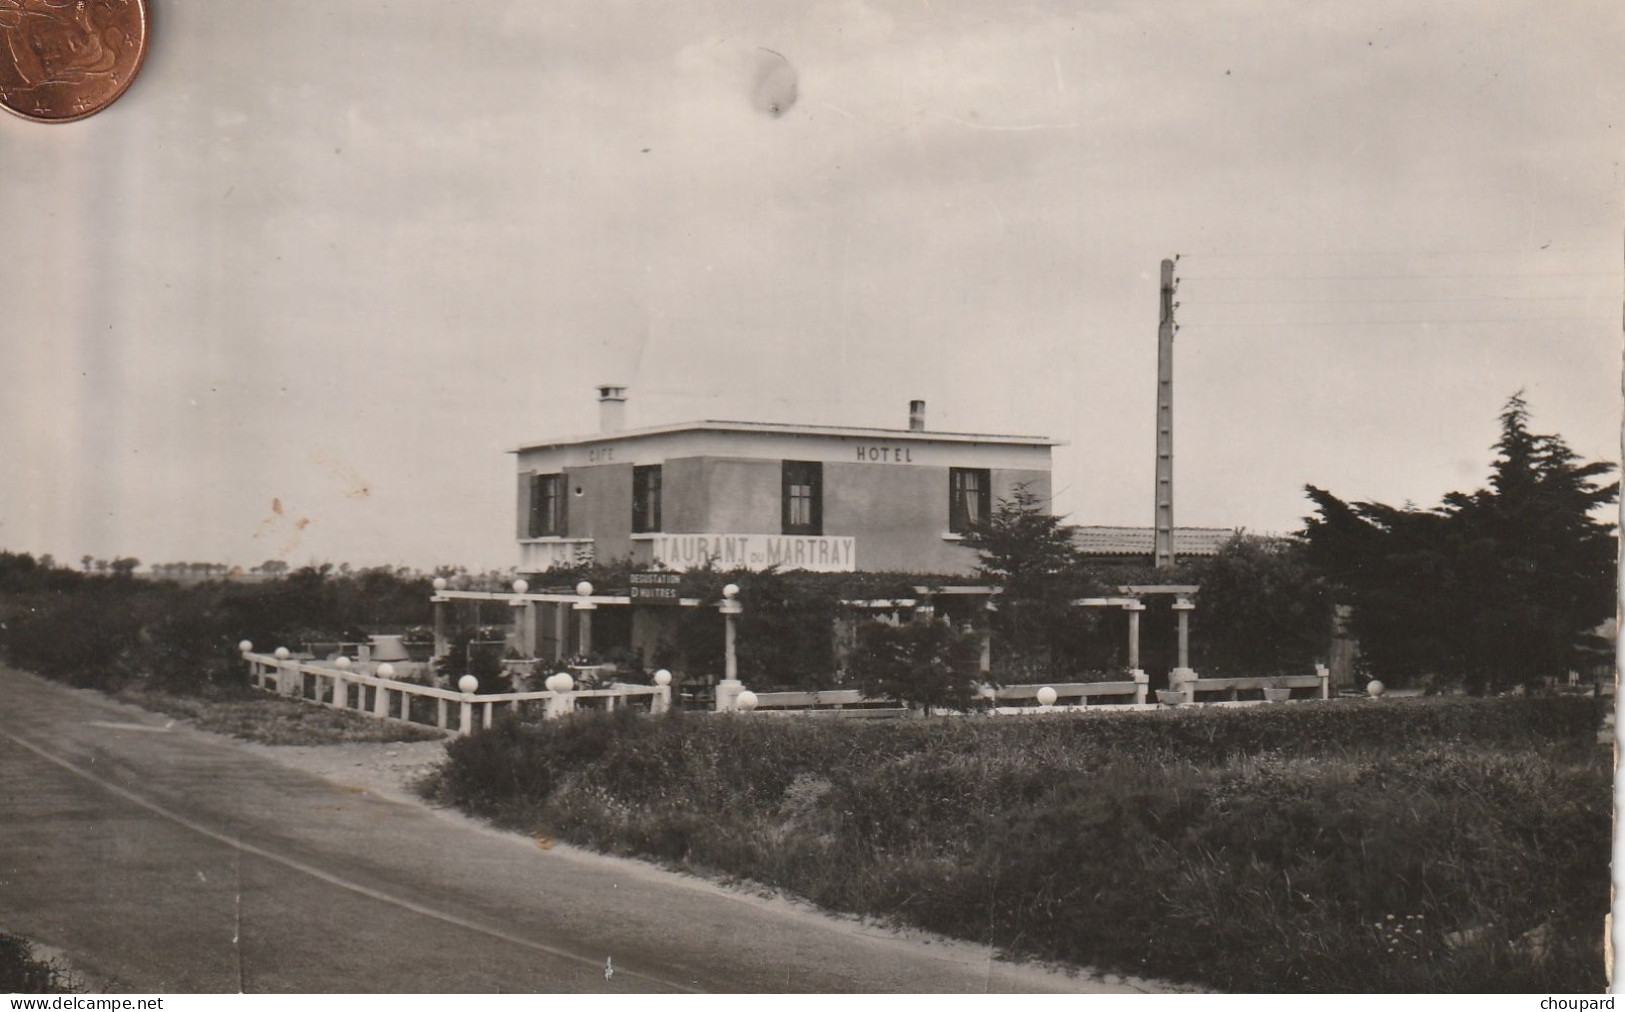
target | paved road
[{"x": 164, "y": 859}]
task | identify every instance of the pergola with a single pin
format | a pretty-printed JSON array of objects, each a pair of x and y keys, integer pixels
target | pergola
[
  {"x": 1131, "y": 602},
  {"x": 582, "y": 604}
]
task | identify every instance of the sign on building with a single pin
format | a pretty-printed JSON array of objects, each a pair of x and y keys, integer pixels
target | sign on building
[
  {"x": 755, "y": 551},
  {"x": 660, "y": 589}
]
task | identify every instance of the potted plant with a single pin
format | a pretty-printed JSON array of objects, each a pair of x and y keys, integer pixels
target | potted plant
[
  {"x": 1171, "y": 697},
  {"x": 1276, "y": 690}
]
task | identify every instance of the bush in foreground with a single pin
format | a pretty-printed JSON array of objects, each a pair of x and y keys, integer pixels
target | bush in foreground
[
  {"x": 1436, "y": 845},
  {"x": 22, "y": 973}
]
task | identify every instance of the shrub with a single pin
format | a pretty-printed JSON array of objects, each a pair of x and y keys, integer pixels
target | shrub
[
  {"x": 22, "y": 973},
  {"x": 921, "y": 663},
  {"x": 103, "y": 631},
  {"x": 1250, "y": 849}
]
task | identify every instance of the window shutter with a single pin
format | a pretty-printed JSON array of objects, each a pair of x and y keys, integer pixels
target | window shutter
[{"x": 525, "y": 480}]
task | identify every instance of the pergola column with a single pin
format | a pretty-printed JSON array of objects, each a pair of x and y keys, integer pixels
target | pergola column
[
  {"x": 584, "y": 609},
  {"x": 1134, "y": 608},
  {"x": 442, "y": 644},
  {"x": 523, "y": 621},
  {"x": 986, "y": 664},
  {"x": 730, "y": 687},
  {"x": 1182, "y": 673}
]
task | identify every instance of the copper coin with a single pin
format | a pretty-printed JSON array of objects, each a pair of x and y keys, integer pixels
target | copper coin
[{"x": 63, "y": 60}]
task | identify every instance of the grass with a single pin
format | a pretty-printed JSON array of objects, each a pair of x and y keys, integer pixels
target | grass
[
  {"x": 1423, "y": 845},
  {"x": 272, "y": 720},
  {"x": 22, "y": 973}
]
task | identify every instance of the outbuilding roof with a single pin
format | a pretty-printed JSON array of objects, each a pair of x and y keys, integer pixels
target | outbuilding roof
[{"x": 1139, "y": 540}]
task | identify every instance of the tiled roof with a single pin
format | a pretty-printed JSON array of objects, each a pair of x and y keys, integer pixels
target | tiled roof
[{"x": 1138, "y": 540}]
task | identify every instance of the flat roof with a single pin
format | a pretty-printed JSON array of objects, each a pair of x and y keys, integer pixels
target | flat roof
[{"x": 786, "y": 428}]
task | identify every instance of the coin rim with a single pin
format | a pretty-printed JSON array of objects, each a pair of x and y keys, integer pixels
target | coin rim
[{"x": 140, "y": 58}]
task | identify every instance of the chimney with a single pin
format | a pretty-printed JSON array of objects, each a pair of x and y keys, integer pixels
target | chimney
[
  {"x": 916, "y": 416},
  {"x": 611, "y": 408}
]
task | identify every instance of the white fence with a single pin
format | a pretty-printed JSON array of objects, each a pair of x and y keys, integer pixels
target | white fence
[
  {"x": 1059, "y": 696},
  {"x": 386, "y": 698}
]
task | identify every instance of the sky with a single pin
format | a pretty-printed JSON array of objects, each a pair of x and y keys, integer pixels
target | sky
[{"x": 298, "y": 292}]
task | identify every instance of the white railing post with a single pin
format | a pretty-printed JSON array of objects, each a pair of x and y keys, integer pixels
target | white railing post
[
  {"x": 1142, "y": 681},
  {"x": 440, "y": 713},
  {"x": 661, "y": 701},
  {"x": 380, "y": 699},
  {"x": 465, "y": 715},
  {"x": 254, "y": 671},
  {"x": 341, "y": 692},
  {"x": 489, "y": 707},
  {"x": 560, "y": 702},
  {"x": 1325, "y": 680},
  {"x": 284, "y": 677}
]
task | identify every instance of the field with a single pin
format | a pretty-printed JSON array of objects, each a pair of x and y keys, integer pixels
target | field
[{"x": 1418, "y": 845}]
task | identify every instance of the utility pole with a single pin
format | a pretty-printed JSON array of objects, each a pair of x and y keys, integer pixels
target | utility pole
[{"x": 1163, "y": 500}]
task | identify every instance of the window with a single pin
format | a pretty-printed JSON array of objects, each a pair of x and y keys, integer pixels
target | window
[
  {"x": 547, "y": 505},
  {"x": 803, "y": 497},
  {"x": 646, "y": 499},
  {"x": 969, "y": 498}
]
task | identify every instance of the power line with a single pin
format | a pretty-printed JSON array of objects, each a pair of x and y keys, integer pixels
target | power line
[
  {"x": 1396, "y": 277},
  {"x": 1386, "y": 323},
  {"x": 1507, "y": 251},
  {"x": 1355, "y": 302}
]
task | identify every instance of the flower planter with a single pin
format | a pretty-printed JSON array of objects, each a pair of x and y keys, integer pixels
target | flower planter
[
  {"x": 1274, "y": 695},
  {"x": 1171, "y": 697}
]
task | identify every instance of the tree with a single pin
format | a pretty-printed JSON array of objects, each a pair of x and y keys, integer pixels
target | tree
[
  {"x": 1496, "y": 586},
  {"x": 924, "y": 663},
  {"x": 1263, "y": 609},
  {"x": 1028, "y": 552}
]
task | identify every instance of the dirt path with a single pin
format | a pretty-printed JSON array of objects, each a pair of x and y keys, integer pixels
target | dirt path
[{"x": 161, "y": 858}]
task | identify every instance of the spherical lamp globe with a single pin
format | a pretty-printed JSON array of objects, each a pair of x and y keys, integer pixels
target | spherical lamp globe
[
  {"x": 1046, "y": 696},
  {"x": 662, "y": 677},
  {"x": 468, "y": 684},
  {"x": 746, "y": 700}
]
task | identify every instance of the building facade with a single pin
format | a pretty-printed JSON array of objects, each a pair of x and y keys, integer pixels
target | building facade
[{"x": 756, "y": 494}]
